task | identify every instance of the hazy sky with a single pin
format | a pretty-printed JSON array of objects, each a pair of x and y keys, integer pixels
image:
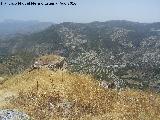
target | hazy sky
[{"x": 85, "y": 11}]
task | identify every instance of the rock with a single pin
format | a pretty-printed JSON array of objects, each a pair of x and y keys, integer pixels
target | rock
[
  {"x": 2, "y": 80},
  {"x": 8, "y": 114}
]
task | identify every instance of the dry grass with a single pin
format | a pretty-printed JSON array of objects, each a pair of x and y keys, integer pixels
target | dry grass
[{"x": 48, "y": 95}]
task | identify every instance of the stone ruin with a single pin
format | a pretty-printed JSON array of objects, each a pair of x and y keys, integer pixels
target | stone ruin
[
  {"x": 106, "y": 84},
  {"x": 52, "y": 65}
]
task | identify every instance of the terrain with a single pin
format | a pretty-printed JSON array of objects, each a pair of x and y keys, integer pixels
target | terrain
[
  {"x": 55, "y": 95},
  {"x": 112, "y": 71},
  {"x": 129, "y": 50}
]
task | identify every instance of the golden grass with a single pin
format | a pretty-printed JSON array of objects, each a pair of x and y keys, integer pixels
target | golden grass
[{"x": 48, "y": 95}]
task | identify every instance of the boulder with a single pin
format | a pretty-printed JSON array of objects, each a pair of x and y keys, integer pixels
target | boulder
[
  {"x": 2, "y": 80},
  {"x": 8, "y": 114}
]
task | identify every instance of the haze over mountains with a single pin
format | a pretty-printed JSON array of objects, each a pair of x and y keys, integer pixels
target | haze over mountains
[
  {"x": 10, "y": 27},
  {"x": 128, "y": 49}
]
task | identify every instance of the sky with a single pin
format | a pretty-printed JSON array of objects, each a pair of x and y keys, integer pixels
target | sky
[{"x": 85, "y": 11}]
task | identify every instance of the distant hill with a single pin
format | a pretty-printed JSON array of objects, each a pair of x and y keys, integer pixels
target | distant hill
[
  {"x": 116, "y": 36},
  {"x": 12, "y": 27}
]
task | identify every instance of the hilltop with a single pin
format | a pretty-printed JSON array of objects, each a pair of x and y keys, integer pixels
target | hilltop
[{"x": 44, "y": 94}]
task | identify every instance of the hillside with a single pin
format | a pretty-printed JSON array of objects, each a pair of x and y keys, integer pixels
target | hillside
[
  {"x": 129, "y": 50},
  {"x": 15, "y": 63},
  {"x": 47, "y": 95},
  {"x": 115, "y": 36}
]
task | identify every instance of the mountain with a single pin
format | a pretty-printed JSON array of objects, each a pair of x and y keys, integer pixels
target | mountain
[
  {"x": 123, "y": 50},
  {"x": 116, "y": 36}
]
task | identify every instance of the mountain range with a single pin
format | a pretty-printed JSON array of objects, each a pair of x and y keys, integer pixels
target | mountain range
[
  {"x": 9, "y": 27},
  {"x": 129, "y": 50}
]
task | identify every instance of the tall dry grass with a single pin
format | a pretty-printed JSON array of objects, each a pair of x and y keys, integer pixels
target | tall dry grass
[{"x": 48, "y": 95}]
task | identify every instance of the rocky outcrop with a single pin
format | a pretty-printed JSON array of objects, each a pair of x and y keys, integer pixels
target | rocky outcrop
[
  {"x": 50, "y": 64},
  {"x": 2, "y": 80},
  {"x": 8, "y": 114}
]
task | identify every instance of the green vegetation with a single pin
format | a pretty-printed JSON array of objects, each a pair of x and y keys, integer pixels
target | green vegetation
[{"x": 16, "y": 63}]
